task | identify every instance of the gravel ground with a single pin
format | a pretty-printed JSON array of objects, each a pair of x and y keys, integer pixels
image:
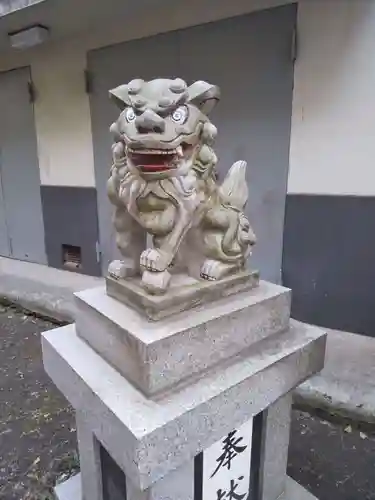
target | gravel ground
[
  {"x": 333, "y": 462},
  {"x": 37, "y": 434},
  {"x": 38, "y": 441}
]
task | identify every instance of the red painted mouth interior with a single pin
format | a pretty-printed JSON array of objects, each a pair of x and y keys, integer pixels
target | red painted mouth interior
[{"x": 148, "y": 162}]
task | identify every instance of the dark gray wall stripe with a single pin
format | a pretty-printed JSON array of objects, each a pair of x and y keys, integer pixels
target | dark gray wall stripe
[
  {"x": 329, "y": 260},
  {"x": 70, "y": 218}
]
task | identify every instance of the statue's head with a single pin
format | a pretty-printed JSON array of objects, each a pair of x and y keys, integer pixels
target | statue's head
[{"x": 163, "y": 122}]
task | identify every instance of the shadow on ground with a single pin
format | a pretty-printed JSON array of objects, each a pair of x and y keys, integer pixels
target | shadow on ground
[{"x": 38, "y": 441}]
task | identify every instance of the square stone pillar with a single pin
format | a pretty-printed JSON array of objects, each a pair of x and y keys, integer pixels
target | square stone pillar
[
  {"x": 90, "y": 460},
  {"x": 191, "y": 407}
]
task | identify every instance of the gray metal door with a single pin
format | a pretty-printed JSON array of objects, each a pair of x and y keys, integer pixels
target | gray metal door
[
  {"x": 21, "y": 220},
  {"x": 4, "y": 236},
  {"x": 249, "y": 57}
]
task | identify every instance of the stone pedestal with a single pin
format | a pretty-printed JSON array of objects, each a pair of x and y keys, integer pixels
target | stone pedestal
[{"x": 195, "y": 406}]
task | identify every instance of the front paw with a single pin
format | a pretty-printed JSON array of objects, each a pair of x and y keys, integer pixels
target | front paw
[
  {"x": 120, "y": 269},
  {"x": 210, "y": 270},
  {"x": 154, "y": 259},
  {"x": 213, "y": 270}
]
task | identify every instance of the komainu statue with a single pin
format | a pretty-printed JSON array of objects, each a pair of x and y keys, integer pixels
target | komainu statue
[{"x": 163, "y": 184}]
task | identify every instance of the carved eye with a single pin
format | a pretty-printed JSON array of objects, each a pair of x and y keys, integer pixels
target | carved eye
[
  {"x": 180, "y": 114},
  {"x": 130, "y": 115}
]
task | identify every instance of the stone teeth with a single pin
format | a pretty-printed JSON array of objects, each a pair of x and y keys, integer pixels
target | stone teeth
[{"x": 153, "y": 151}]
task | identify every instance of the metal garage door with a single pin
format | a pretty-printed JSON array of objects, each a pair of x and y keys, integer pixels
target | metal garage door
[
  {"x": 249, "y": 57},
  {"x": 21, "y": 220}
]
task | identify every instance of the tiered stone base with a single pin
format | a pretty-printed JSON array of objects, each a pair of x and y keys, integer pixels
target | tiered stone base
[{"x": 153, "y": 399}]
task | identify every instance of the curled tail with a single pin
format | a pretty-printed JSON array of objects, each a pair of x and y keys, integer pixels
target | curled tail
[{"x": 234, "y": 191}]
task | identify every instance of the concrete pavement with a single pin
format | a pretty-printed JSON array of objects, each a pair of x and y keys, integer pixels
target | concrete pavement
[
  {"x": 344, "y": 390},
  {"x": 42, "y": 289}
]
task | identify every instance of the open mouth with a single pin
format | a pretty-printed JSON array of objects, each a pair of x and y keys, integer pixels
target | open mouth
[{"x": 153, "y": 160}]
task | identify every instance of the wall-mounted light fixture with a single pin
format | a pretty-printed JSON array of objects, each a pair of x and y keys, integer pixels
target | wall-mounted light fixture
[{"x": 29, "y": 37}]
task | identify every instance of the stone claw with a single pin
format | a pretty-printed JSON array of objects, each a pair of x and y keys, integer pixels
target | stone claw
[
  {"x": 209, "y": 270},
  {"x": 213, "y": 270},
  {"x": 119, "y": 269},
  {"x": 153, "y": 259},
  {"x": 156, "y": 283}
]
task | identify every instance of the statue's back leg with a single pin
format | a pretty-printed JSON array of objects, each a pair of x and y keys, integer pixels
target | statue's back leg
[{"x": 227, "y": 242}]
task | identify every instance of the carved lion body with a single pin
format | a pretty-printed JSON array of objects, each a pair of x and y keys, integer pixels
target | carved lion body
[{"x": 163, "y": 183}]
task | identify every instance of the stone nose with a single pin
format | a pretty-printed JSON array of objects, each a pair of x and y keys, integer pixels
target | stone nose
[{"x": 149, "y": 121}]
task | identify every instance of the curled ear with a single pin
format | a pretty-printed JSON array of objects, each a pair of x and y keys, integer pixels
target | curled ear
[
  {"x": 204, "y": 96},
  {"x": 120, "y": 96}
]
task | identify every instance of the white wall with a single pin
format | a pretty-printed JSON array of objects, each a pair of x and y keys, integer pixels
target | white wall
[
  {"x": 333, "y": 124},
  {"x": 62, "y": 111},
  {"x": 62, "y": 119}
]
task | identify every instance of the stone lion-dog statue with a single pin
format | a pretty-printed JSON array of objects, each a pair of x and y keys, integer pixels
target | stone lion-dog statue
[{"x": 163, "y": 183}]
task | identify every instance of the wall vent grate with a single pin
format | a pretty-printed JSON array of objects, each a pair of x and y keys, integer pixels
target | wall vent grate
[{"x": 72, "y": 257}]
